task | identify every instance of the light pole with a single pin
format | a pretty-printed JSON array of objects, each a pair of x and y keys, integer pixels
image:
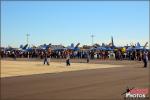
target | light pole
[
  {"x": 92, "y": 36},
  {"x": 27, "y": 38}
]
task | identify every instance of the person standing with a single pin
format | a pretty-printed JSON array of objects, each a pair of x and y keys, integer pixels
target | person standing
[
  {"x": 46, "y": 58},
  {"x": 49, "y": 55},
  {"x": 145, "y": 59},
  {"x": 88, "y": 57},
  {"x": 28, "y": 55},
  {"x": 68, "y": 59},
  {"x": 14, "y": 55}
]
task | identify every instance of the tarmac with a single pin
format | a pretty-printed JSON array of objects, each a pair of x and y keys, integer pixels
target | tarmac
[{"x": 107, "y": 80}]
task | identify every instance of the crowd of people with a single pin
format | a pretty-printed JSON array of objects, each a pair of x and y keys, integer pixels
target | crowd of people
[{"x": 117, "y": 54}]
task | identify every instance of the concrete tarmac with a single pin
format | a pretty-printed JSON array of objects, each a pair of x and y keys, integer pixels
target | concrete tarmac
[{"x": 90, "y": 84}]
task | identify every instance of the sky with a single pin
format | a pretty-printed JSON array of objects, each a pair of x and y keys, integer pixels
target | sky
[{"x": 66, "y": 22}]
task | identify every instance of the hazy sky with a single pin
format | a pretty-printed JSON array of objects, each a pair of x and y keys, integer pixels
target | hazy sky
[{"x": 64, "y": 22}]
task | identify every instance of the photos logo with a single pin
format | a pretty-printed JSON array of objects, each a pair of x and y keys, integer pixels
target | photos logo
[{"x": 136, "y": 94}]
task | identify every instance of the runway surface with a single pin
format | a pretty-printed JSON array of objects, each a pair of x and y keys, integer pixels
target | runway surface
[
  {"x": 91, "y": 84},
  {"x": 21, "y": 68}
]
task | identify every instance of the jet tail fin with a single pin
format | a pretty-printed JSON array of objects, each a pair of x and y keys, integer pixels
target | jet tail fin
[
  {"x": 103, "y": 45},
  {"x": 77, "y": 45},
  {"x": 138, "y": 44},
  {"x": 112, "y": 41},
  {"x": 145, "y": 45},
  {"x": 24, "y": 47}
]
